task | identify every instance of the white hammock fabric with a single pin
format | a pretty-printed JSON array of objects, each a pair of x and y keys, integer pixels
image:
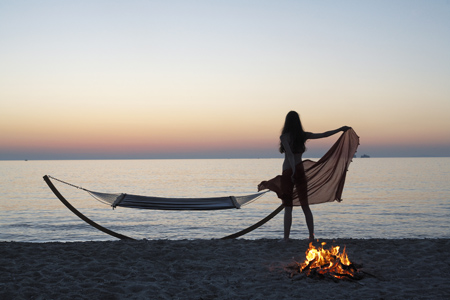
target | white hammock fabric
[{"x": 161, "y": 203}]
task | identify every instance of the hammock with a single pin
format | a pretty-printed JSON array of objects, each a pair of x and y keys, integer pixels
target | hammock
[
  {"x": 161, "y": 203},
  {"x": 144, "y": 202}
]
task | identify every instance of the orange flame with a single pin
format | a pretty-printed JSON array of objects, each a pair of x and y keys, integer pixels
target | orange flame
[{"x": 327, "y": 262}]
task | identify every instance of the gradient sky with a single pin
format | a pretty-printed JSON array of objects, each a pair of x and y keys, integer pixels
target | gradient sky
[{"x": 185, "y": 79}]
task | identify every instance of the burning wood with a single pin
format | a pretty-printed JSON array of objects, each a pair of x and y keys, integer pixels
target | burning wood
[{"x": 322, "y": 263}]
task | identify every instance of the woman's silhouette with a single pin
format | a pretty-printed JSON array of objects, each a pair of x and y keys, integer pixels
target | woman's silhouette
[{"x": 293, "y": 179}]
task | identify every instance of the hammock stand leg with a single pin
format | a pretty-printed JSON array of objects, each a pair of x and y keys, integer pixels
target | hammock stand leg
[
  {"x": 80, "y": 215},
  {"x": 256, "y": 225}
]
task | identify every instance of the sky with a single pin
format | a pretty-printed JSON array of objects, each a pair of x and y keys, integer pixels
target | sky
[{"x": 215, "y": 79}]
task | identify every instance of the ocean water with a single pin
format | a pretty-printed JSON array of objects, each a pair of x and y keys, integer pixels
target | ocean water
[{"x": 383, "y": 198}]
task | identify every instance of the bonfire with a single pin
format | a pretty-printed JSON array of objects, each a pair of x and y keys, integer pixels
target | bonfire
[{"x": 325, "y": 264}]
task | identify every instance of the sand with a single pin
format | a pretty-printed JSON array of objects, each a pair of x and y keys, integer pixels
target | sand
[{"x": 218, "y": 269}]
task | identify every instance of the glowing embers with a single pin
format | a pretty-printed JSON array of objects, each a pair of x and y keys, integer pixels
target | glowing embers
[{"x": 325, "y": 264}]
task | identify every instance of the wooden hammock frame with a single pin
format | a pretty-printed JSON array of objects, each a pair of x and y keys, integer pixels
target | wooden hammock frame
[{"x": 124, "y": 237}]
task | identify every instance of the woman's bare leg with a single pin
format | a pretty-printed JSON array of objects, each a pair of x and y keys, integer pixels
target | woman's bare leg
[
  {"x": 309, "y": 220},
  {"x": 302, "y": 190},
  {"x": 287, "y": 222}
]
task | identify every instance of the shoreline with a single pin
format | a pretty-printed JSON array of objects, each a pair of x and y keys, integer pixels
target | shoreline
[{"x": 218, "y": 269}]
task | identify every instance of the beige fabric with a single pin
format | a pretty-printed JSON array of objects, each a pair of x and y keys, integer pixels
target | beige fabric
[{"x": 326, "y": 177}]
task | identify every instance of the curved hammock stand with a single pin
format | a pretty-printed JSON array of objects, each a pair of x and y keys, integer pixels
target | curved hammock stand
[{"x": 124, "y": 237}]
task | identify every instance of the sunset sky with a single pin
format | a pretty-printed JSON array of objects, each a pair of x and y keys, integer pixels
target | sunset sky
[{"x": 215, "y": 79}]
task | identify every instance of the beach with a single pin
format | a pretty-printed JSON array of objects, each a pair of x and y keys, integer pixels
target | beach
[{"x": 218, "y": 269}]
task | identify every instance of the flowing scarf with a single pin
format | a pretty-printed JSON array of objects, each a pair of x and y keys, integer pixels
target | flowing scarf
[{"x": 326, "y": 177}]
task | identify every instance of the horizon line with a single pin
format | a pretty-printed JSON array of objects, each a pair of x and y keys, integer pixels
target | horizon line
[{"x": 205, "y": 158}]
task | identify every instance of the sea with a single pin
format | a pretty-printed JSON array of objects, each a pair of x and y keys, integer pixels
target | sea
[{"x": 393, "y": 198}]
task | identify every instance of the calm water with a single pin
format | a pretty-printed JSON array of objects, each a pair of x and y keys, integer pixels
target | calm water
[{"x": 383, "y": 198}]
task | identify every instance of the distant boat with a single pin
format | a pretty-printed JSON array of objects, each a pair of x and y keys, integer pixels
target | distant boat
[{"x": 365, "y": 156}]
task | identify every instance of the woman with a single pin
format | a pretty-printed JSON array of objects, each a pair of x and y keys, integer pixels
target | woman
[{"x": 292, "y": 183}]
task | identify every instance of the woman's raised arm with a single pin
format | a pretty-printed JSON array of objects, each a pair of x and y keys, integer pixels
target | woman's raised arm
[{"x": 325, "y": 134}]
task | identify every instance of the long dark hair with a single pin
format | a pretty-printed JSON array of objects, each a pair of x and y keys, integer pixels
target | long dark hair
[{"x": 293, "y": 127}]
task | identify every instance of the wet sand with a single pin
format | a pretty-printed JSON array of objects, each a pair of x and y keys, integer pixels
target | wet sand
[{"x": 218, "y": 269}]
